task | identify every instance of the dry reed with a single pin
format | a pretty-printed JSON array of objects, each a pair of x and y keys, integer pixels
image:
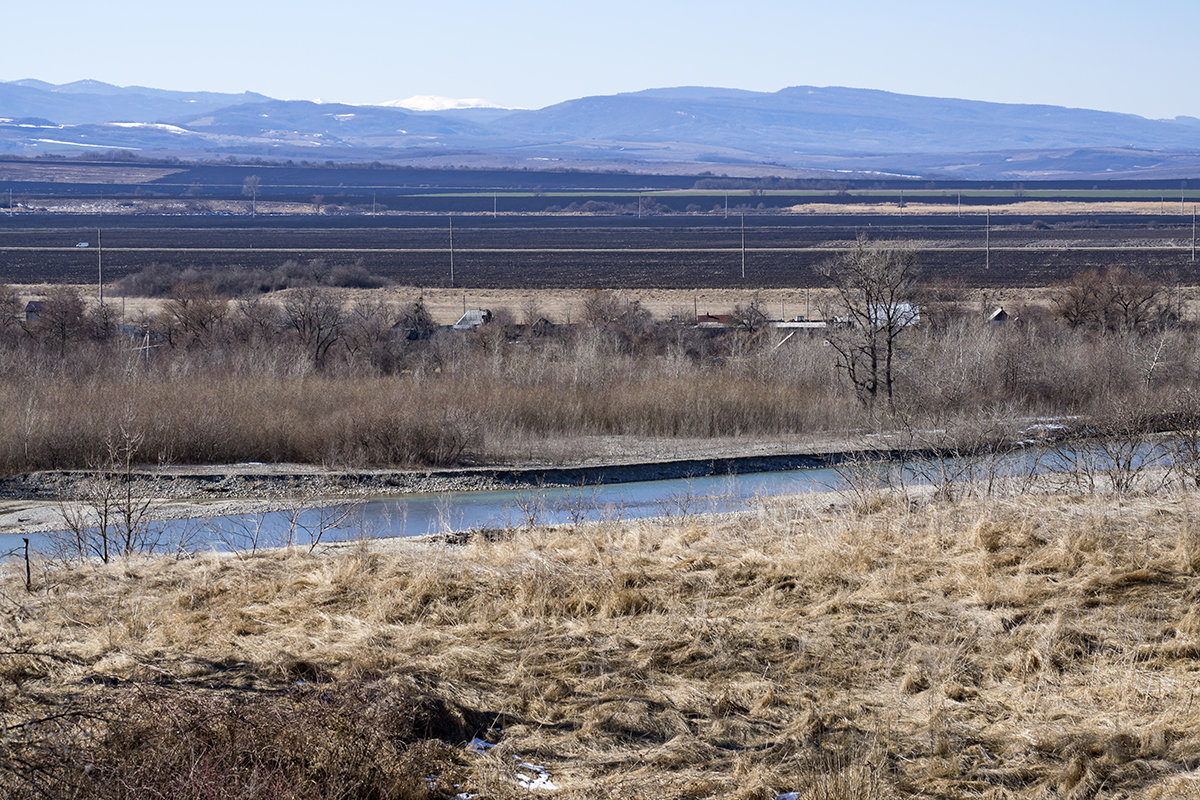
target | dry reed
[{"x": 480, "y": 397}]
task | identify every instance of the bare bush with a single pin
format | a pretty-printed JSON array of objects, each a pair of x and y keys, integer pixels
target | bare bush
[
  {"x": 1120, "y": 451},
  {"x": 360, "y": 740},
  {"x": 111, "y": 514}
]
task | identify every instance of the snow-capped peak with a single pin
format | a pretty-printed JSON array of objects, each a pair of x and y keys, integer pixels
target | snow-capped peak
[{"x": 427, "y": 102}]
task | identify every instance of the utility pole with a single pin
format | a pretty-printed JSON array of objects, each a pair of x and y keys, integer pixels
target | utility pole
[
  {"x": 451, "y": 249},
  {"x": 1193, "y": 232},
  {"x": 639, "y": 206},
  {"x": 373, "y": 204},
  {"x": 727, "y": 205},
  {"x": 987, "y": 264},
  {"x": 100, "y": 265},
  {"x": 743, "y": 245},
  {"x": 960, "y": 204},
  {"x": 494, "y": 204}
]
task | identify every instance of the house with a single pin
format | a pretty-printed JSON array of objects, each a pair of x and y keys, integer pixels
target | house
[
  {"x": 472, "y": 319},
  {"x": 901, "y": 315},
  {"x": 33, "y": 310}
]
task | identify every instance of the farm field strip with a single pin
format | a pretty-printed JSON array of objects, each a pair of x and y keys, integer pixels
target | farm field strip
[
  {"x": 307, "y": 249},
  {"x": 593, "y": 252},
  {"x": 682, "y": 270}
]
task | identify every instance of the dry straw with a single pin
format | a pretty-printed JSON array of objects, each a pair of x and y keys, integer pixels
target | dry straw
[{"x": 1022, "y": 647}]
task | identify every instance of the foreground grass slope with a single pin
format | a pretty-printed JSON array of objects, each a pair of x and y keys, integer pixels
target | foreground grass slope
[{"x": 1027, "y": 647}]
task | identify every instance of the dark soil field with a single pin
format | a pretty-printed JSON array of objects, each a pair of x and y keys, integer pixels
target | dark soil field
[{"x": 542, "y": 251}]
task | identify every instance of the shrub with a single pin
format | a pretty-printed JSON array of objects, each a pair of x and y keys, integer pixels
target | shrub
[{"x": 365, "y": 740}]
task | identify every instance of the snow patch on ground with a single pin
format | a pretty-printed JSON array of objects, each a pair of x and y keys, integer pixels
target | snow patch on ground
[{"x": 528, "y": 776}]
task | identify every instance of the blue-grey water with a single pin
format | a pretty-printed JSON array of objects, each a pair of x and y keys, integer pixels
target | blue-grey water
[{"x": 450, "y": 512}]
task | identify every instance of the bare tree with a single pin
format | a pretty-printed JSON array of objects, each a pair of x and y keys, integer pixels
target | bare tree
[
  {"x": 10, "y": 310},
  {"x": 250, "y": 189},
  {"x": 749, "y": 318},
  {"x": 111, "y": 513},
  {"x": 874, "y": 288},
  {"x": 192, "y": 316},
  {"x": 623, "y": 323},
  {"x": 418, "y": 321},
  {"x": 61, "y": 319},
  {"x": 1117, "y": 299},
  {"x": 318, "y": 319}
]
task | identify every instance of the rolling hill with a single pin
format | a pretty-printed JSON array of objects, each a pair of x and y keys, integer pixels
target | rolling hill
[{"x": 797, "y": 130}]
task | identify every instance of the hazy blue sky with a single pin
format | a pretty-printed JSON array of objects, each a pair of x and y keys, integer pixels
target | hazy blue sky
[{"x": 1120, "y": 56}]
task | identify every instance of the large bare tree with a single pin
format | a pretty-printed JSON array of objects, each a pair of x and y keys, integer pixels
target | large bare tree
[
  {"x": 874, "y": 302},
  {"x": 317, "y": 318},
  {"x": 1117, "y": 299}
]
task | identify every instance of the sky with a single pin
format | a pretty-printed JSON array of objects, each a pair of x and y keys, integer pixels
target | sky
[{"x": 1114, "y": 56}]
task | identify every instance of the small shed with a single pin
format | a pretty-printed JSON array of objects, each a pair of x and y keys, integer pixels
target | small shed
[
  {"x": 33, "y": 310},
  {"x": 998, "y": 317}
]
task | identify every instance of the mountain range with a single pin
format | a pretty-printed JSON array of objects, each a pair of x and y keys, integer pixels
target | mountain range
[{"x": 797, "y": 131}]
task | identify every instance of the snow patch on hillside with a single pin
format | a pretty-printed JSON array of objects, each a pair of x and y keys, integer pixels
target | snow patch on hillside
[
  {"x": 429, "y": 102},
  {"x": 159, "y": 126}
]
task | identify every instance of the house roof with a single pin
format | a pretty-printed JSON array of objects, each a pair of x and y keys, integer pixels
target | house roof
[{"x": 473, "y": 318}]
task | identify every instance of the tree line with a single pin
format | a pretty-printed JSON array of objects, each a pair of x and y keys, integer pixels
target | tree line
[{"x": 308, "y": 374}]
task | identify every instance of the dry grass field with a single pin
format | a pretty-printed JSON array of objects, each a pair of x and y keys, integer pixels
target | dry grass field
[
  {"x": 446, "y": 305},
  {"x": 34, "y": 171},
  {"x": 1017, "y": 208},
  {"x": 1030, "y": 647}
]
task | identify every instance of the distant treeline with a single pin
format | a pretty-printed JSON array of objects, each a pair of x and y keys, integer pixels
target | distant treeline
[{"x": 211, "y": 178}]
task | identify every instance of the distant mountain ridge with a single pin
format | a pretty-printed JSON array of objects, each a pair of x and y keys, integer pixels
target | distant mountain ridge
[{"x": 797, "y": 130}]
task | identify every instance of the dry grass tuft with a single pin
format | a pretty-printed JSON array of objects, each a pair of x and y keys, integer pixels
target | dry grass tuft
[{"x": 1025, "y": 647}]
